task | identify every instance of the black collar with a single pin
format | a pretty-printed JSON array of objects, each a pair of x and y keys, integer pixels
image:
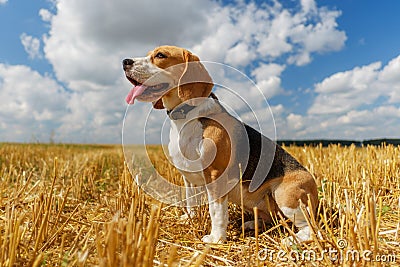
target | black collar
[{"x": 180, "y": 112}]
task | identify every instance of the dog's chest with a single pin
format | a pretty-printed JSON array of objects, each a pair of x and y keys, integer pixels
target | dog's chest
[{"x": 185, "y": 148}]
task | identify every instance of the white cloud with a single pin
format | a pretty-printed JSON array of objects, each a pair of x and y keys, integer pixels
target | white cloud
[
  {"x": 267, "y": 70},
  {"x": 2, "y": 2},
  {"x": 308, "y": 6},
  {"x": 240, "y": 55},
  {"x": 95, "y": 40},
  {"x": 32, "y": 105},
  {"x": 45, "y": 14},
  {"x": 93, "y": 116},
  {"x": 267, "y": 77},
  {"x": 389, "y": 80},
  {"x": 359, "y": 104},
  {"x": 274, "y": 39},
  {"x": 86, "y": 45},
  {"x": 31, "y": 45},
  {"x": 295, "y": 121},
  {"x": 270, "y": 32},
  {"x": 87, "y": 40},
  {"x": 348, "y": 90},
  {"x": 382, "y": 121},
  {"x": 356, "y": 125},
  {"x": 390, "y": 73},
  {"x": 345, "y": 91}
]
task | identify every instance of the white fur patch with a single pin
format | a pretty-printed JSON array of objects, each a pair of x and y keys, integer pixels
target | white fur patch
[
  {"x": 297, "y": 217},
  {"x": 186, "y": 145},
  {"x": 192, "y": 199},
  {"x": 146, "y": 71},
  {"x": 219, "y": 222},
  {"x": 188, "y": 150}
]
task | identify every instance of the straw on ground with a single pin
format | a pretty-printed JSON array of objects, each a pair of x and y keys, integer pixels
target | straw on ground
[{"x": 76, "y": 205}]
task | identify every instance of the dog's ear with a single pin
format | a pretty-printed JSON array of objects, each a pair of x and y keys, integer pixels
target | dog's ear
[
  {"x": 195, "y": 80},
  {"x": 158, "y": 104}
]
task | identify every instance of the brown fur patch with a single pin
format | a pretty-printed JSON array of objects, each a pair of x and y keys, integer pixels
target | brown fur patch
[{"x": 216, "y": 132}]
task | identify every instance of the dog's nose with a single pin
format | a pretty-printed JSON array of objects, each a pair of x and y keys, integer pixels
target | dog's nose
[{"x": 127, "y": 62}]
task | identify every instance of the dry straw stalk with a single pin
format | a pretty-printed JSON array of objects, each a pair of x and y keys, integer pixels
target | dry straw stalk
[{"x": 77, "y": 205}]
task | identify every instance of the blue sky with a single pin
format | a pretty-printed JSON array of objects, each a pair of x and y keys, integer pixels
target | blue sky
[{"x": 330, "y": 69}]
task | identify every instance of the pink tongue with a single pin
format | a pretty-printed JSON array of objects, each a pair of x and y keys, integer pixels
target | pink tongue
[{"x": 136, "y": 91}]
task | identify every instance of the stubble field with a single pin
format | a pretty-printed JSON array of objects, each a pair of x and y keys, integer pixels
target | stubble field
[{"x": 78, "y": 205}]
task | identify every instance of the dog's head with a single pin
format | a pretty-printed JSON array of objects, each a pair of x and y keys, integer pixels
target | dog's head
[{"x": 169, "y": 75}]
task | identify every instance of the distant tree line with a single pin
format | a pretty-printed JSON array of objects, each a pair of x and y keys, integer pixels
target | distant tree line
[{"x": 327, "y": 142}]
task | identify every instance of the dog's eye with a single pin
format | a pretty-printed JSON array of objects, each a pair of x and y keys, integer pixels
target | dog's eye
[{"x": 160, "y": 55}]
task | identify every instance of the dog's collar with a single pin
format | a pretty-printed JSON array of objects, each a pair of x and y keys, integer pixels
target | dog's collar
[{"x": 180, "y": 112}]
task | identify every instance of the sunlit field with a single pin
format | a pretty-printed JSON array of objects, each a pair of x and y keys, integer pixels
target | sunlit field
[{"x": 78, "y": 205}]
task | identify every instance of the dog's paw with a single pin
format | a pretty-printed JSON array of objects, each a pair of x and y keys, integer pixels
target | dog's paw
[
  {"x": 188, "y": 216},
  {"x": 302, "y": 236},
  {"x": 211, "y": 239}
]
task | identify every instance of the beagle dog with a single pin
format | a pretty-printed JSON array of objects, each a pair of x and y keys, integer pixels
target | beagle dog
[{"x": 211, "y": 147}]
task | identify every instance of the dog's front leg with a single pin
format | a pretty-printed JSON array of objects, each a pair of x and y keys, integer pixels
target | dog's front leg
[
  {"x": 191, "y": 200},
  {"x": 219, "y": 219}
]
